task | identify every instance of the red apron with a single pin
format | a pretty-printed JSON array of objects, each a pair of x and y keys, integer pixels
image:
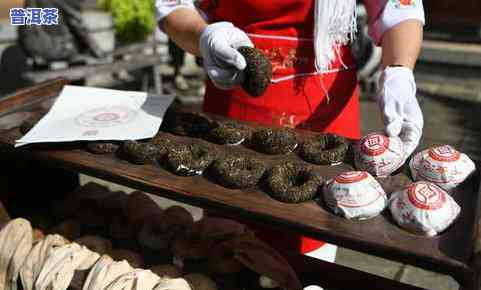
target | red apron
[{"x": 299, "y": 96}]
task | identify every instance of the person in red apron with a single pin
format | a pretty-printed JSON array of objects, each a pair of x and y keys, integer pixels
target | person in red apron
[{"x": 314, "y": 82}]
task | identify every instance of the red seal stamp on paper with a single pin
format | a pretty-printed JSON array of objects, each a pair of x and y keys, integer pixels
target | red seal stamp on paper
[
  {"x": 106, "y": 117},
  {"x": 374, "y": 144},
  {"x": 426, "y": 196},
  {"x": 351, "y": 177},
  {"x": 444, "y": 153}
]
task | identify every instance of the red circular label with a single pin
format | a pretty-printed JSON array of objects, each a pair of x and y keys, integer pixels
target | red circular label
[
  {"x": 426, "y": 196},
  {"x": 444, "y": 153},
  {"x": 374, "y": 144},
  {"x": 106, "y": 117},
  {"x": 351, "y": 177}
]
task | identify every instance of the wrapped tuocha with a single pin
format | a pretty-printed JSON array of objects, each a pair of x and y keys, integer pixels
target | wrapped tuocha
[
  {"x": 379, "y": 154},
  {"x": 355, "y": 195},
  {"x": 442, "y": 165},
  {"x": 424, "y": 208}
]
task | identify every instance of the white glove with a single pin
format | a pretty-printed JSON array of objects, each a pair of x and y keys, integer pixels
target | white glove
[
  {"x": 401, "y": 113},
  {"x": 224, "y": 64}
]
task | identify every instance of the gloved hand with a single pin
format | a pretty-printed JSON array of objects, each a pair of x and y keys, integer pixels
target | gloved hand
[
  {"x": 401, "y": 113},
  {"x": 222, "y": 62}
]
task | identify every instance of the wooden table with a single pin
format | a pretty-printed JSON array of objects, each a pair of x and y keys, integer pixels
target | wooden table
[{"x": 450, "y": 253}]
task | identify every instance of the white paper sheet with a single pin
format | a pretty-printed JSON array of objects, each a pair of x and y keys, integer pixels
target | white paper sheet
[{"x": 89, "y": 114}]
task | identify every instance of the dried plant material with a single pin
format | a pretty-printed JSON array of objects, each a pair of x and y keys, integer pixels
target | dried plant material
[
  {"x": 275, "y": 141},
  {"x": 326, "y": 149},
  {"x": 213, "y": 231},
  {"x": 222, "y": 260},
  {"x": 84, "y": 195},
  {"x": 139, "y": 207},
  {"x": 163, "y": 143},
  {"x": 238, "y": 171},
  {"x": 190, "y": 159},
  {"x": 293, "y": 183},
  {"x": 220, "y": 229},
  {"x": 229, "y": 133},
  {"x": 191, "y": 249},
  {"x": 85, "y": 205},
  {"x": 264, "y": 260},
  {"x": 160, "y": 230},
  {"x": 113, "y": 207},
  {"x": 258, "y": 72},
  {"x": 193, "y": 124},
  {"x": 102, "y": 147},
  {"x": 195, "y": 245},
  {"x": 140, "y": 153},
  {"x": 135, "y": 208}
]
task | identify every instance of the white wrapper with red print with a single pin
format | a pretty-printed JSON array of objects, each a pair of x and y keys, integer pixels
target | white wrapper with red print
[
  {"x": 443, "y": 165},
  {"x": 424, "y": 208},
  {"x": 379, "y": 154},
  {"x": 355, "y": 195}
]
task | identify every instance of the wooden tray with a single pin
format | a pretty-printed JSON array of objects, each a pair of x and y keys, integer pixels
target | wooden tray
[{"x": 448, "y": 253}]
